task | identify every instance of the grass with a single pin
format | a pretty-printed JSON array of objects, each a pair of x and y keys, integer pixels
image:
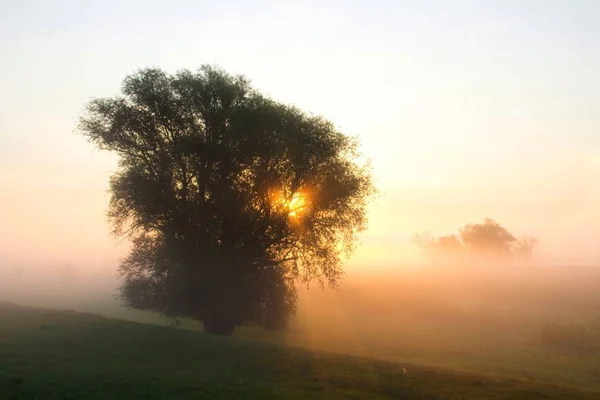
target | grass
[
  {"x": 573, "y": 337},
  {"x": 46, "y": 354},
  {"x": 512, "y": 341}
]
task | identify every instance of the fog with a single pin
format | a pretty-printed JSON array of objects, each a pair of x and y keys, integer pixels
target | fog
[
  {"x": 546, "y": 286},
  {"x": 540, "y": 321},
  {"x": 56, "y": 286}
]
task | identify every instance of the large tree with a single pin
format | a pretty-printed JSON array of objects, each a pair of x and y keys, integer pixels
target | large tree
[{"x": 228, "y": 197}]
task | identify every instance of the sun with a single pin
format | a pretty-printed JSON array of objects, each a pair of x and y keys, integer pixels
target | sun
[{"x": 295, "y": 207}]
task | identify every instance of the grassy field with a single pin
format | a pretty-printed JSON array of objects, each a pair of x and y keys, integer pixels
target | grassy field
[
  {"x": 543, "y": 327},
  {"x": 46, "y": 354}
]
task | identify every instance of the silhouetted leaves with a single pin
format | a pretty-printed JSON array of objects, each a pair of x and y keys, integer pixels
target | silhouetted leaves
[{"x": 208, "y": 172}]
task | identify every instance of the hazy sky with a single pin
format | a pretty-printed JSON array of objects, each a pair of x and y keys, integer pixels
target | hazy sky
[{"x": 468, "y": 109}]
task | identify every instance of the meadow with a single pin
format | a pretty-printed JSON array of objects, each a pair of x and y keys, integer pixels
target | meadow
[
  {"x": 422, "y": 334},
  {"x": 49, "y": 354}
]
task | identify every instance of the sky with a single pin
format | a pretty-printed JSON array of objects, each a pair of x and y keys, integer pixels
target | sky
[{"x": 467, "y": 109}]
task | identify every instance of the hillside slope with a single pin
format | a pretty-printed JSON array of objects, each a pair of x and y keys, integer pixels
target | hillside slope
[{"x": 47, "y": 354}]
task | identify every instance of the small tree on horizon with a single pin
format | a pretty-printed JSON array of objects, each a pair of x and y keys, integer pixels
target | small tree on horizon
[
  {"x": 488, "y": 241},
  {"x": 228, "y": 197}
]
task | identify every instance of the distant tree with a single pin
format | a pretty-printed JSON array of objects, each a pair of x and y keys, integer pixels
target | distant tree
[
  {"x": 488, "y": 240},
  {"x": 449, "y": 244},
  {"x": 424, "y": 240},
  {"x": 525, "y": 246},
  {"x": 448, "y": 248},
  {"x": 228, "y": 197}
]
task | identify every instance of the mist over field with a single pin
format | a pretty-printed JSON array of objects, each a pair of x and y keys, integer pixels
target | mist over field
[
  {"x": 541, "y": 322},
  {"x": 550, "y": 289}
]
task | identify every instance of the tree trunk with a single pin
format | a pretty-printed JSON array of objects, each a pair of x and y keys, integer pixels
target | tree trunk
[
  {"x": 219, "y": 316},
  {"x": 218, "y": 323}
]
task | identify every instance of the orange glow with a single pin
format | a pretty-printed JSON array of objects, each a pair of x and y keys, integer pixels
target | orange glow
[
  {"x": 298, "y": 204},
  {"x": 294, "y": 206}
]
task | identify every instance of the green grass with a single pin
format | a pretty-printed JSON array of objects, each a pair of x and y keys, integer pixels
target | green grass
[
  {"x": 515, "y": 342},
  {"x": 46, "y": 354}
]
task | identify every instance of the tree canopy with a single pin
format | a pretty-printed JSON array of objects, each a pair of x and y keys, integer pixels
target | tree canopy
[
  {"x": 228, "y": 197},
  {"x": 487, "y": 241}
]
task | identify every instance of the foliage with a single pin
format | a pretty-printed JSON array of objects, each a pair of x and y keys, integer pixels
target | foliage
[
  {"x": 228, "y": 197},
  {"x": 488, "y": 240}
]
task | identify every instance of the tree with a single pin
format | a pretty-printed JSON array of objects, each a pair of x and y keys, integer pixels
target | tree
[
  {"x": 440, "y": 249},
  {"x": 449, "y": 244},
  {"x": 228, "y": 197},
  {"x": 525, "y": 246},
  {"x": 488, "y": 240}
]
